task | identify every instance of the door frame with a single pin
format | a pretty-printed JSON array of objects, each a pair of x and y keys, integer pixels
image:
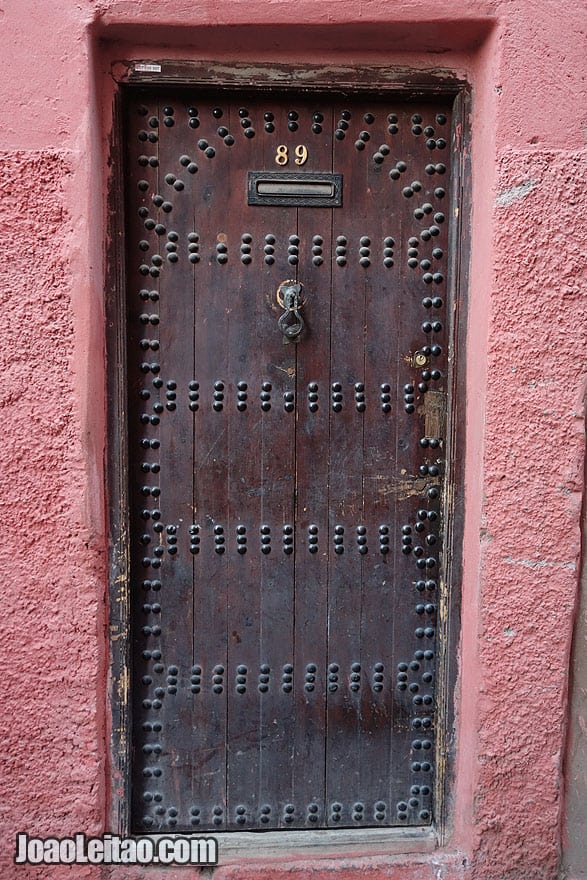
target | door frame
[{"x": 403, "y": 84}]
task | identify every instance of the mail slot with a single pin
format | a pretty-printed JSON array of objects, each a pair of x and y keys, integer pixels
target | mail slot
[{"x": 321, "y": 190}]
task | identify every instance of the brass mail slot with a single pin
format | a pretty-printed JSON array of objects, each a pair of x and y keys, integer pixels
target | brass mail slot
[{"x": 302, "y": 189}]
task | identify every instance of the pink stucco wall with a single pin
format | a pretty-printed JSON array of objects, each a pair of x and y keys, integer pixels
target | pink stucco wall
[{"x": 525, "y": 387}]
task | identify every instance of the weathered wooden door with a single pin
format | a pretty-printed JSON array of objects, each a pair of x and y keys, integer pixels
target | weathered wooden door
[{"x": 287, "y": 371}]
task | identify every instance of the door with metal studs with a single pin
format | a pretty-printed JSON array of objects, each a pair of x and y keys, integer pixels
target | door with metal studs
[{"x": 286, "y": 266}]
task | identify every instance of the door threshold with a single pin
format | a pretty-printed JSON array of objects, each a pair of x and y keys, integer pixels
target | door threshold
[{"x": 325, "y": 844}]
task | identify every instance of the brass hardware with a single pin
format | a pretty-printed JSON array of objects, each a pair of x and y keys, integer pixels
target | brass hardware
[
  {"x": 420, "y": 359},
  {"x": 290, "y": 297}
]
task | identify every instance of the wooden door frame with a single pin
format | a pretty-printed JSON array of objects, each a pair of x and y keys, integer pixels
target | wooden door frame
[{"x": 402, "y": 84}]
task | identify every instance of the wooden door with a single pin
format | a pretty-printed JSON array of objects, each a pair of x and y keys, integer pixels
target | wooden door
[{"x": 286, "y": 521}]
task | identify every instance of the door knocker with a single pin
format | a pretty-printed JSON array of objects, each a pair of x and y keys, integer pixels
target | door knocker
[{"x": 291, "y": 298}]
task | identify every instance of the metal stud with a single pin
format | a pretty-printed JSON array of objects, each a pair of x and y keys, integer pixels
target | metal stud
[
  {"x": 264, "y": 675},
  {"x": 265, "y": 396},
  {"x": 265, "y": 539},
  {"x": 241, "y": 539},
  {"x": 218, "y": 404},
  {"x": 287, "y": 678},
  {"x": 365, "y": 251},
  {"x": 246, "y": 239},
  {"x": 241, "y": 681},
  {"x": 222, "y": 252},
  {"x": 288, "y": 540},
  {"x": 377, "y": 682},
  {"x": 269, "y": 249},
  {"x": 310, "y": 677},
  {"x": 293, "y": 250},
  {"x": 194, "y": 395},
  {"x": 360, "y": 404},
  {"x": 219, "y": 540},
  {"x": 241, "y": 396}
]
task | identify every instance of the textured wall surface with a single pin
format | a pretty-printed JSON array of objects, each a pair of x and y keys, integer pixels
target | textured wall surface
[{"x": 525, "y": 390}]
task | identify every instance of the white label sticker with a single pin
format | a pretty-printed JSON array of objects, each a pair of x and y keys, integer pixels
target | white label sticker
[{"x": 147, "y": 68}]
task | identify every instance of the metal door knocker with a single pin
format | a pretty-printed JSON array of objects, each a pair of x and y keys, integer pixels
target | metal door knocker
[{"x": 291, "y": 298}]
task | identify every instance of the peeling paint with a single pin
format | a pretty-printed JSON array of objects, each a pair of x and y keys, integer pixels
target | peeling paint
[
  {"x": 514, "y": 193},
  {"x": 540, "y": 563}
]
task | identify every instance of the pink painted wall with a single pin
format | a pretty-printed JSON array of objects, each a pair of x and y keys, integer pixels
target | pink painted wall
[{"x": 526, "y": 372}]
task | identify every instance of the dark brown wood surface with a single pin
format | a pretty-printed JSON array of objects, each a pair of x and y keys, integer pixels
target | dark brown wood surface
[{"x": 286, "y": 524}]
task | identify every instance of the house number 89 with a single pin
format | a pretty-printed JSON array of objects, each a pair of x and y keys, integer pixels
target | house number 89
[{"x": 282, "y": 154}]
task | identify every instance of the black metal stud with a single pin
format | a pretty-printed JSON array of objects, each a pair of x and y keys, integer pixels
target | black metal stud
[
  {"x": 313, "y": 396},
  {"x": 338, "y": 540},
  {"x": 317, "y": 258},
  {"x": 336, "y": 396},
  {"x": 265, "y": 539},
  {"x": 365, "y": 251},
  {"x": 241, "y": 539},
  {"x": 384, "y": 540},
  {"x": 194, "y": 247},
  {"x": 313, "y": 538},
  {"x": 194, "y": 396},
  {"x": 287, "y": 678},
  {"x": 269, "y": 249},
  {"x": 218, "y": 404},
  {"x": 377, "y": 681},
  {"x": 362, "y": 540},
  {"x": 193, "y": 114},
  {"x": 360, "y": 404},
  {"x": 288, "y": 401},
  {"x": 218, "y": 679},
  {"x": 222, "y": 252},
  {"x": 266, "y": 396},
  {"x": 293, "y": 250},
  {"x": 241, "y": 684},
  {"x": 385, "y": 397},
  {"x": 336, "y": 812},
  {"x": 194, "y": 532},
  {"x": 379, "y": 811},
  {"x": 171, "y": 540},
  {"x": 246, "y": 239},
  {"x": 310, "y": 677},
  {"x": 393, "y": 126},
  {"x": 400, "y": 168},
  {"x": 219, "y": 540},
  {"x": 264, "y": 674},
  {"x": 409, "y": 398},
  {"x": 196, "y": 679},
  {"x": 288, "y": 540},
  {"x": 341, "y": 247},
  {"x": 241, "y": 396},
  {"x": 333, "y": 669},
  {"x": 388, "y": 245}
]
